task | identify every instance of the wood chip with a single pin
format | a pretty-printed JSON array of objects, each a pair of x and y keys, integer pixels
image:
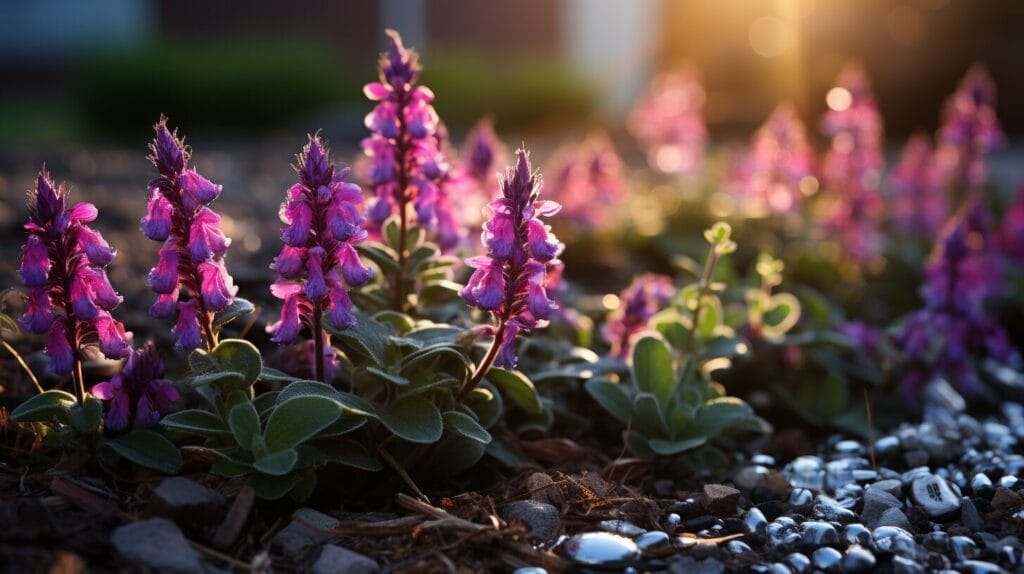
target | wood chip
[{"x": 228, "y": 531}]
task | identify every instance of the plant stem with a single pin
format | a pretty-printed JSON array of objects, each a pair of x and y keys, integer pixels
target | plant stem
[
  {"x": 79, "y": 379},
  {"x": 485, "y": 365},
  {"x": 702, "y": 291},
  {"x": 403, "y": 224},
  {"x": 401, "y": 153},
  {"x": 206, "y": 320},
  {"x": 17, "y": 357},
  {"x": 318, "y": 343}
]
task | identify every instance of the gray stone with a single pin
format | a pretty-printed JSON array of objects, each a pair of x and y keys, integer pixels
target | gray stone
[
  {"x": 601, "y": 549},
  {"x": 963, "y": 548},
  {"x": 894, "y": 540},
  {"x": 856, "y": 533},
  {"x": 982, "y": 485},
  {"x": 826, "y": 559},
  {"x": 798, "y": 563},
  {"x": 903, "y": 565},
  {"x": 690, "y": 565},
  {"x": 894, "y": 517},
  {"x": 530, "y": 570},
  {"x": 157, "y": 544},
  {"x": 969, "y": 516},
  {"x": 935, "y": 495},
  {"x": 336, "y": 559},
  {"x": 720, "y": 499},
  {"x": 858, "y": 559},
  {"x": 806, "y": 472},
  {"x": 801, "y": 498},
  {"x": 979, "y": 567},
  {"x": 877, "y": 501},
  {"x": 651, "y": 539},
  {"x": 891, "y": 485},
  {"x": 543, "y": 519},
  {"x": 308, "y": 527},
  {"x": 829, "y": 509},
  {"x": 737, "y": 547},
  {"x": 816, "y": 534},
  {"x": 623, "y": 527},
  {"x": 750, "y": 476},
  {"x": 186, "y": 500},
  {"x": 755, "y": 525}
]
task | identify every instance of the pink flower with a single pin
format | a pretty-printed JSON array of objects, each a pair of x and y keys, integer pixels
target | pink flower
[
  {"x": 140, "y": 394},
  {"x": 206, "y": 240},
  {"x": 196, "y": 190}
]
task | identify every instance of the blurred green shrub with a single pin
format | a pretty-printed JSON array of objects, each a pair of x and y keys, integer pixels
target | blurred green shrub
[{"x": 238, "y": 85}]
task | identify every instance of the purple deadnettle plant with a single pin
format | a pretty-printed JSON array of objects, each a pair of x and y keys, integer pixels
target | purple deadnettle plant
[
  {"x": 140, "y": 394},
  {"x": 191, "y": 260},
  {"x": 69, "y": 295},
  {"x": 510, "y": 281},
  {"x": 318, "y": 259}
]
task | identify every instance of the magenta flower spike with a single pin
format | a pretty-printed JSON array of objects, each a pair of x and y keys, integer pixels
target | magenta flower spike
[
  {"x": 322, "y": 225},
  {"x": 69, "y": 295},
  {"x": 953, "y": 328},
  {"x": 645, "y": 296},
  {"x": 510, "y": 281},
  {"x": 587, "y": 179},
  {"x": 138, "y": 395},
  {"x": 475, "y": 179},
  {"x": 406, "y": 149},
  {"x": 668, "y": 122},
  {"x": 1011, "y": 234},
  {"x": 191, "y": 260},
  {"x": 770, "y": 178},
  {"x": 970, "y": 130},
  {"x": 919, "y": 205},
  {"x": 852, "y": 168}
]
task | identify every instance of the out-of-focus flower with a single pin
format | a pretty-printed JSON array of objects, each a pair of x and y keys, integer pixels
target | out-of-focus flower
[
  {"x": 69, "y": 295},
  {"x": 970, "y": 130},
  {"x": 768, "y": 180},
  {"x": 406, "y": 147},
  {"x": 140, "y": 394},
  {"x": 852, "y": 168},
  {"x": 191, "y": 261},
  {"x": 475, "y": 179},
  {"x": 668, "y": 122},
  {"x": 510, "y": 281},
  {"x": 322, "y": 225},
  {"x": 1012, "y": 231},
  {"x": 586, "y": 179},
  {"x": 918, "y": 200},
  {"x": 645, "y": 296}
]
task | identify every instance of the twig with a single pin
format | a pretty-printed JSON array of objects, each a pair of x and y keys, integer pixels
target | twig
[
  {"x": 221, "y": 556},
  {"x": 17, "y": 357},
  {"x": 401, "y": 472}
]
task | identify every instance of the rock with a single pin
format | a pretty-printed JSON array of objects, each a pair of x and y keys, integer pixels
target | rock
[
  {"x": 1009, "y": 481},
  {"x": 186, "y": 500},
  {"x": 857, "y": 559},
  {"x": 737, "y": 547},
  {"x": 622, "y": 527},
  {"x": 877, "y": 501},
  {"x": 845, "y": 448},
  {"x": 892, "y": 486},
  {"x": 831, "y": 510},
  {"x": 686, "y": 509},
  {"x": 969, "y": 516},
  {"x": 806, "y": 472},
  {"x": 981, "y": 485},
  {"x": 755, "y": 525},
  {"x": 902, "y": 565},
  {"x": 700, "y": 523},
  {"x": 543, "y": 490},
  {"x": 815, "y": 534},
  {"x": 673, "y": 520},
  {"x": 336, "y": 559},
  {"x": 894, "y": 517},
  {"x": 720, "y": 499},
  {"x": 763, "y": 459},
  {"x": 530, "y": 570},
  {"x": 916, "y": 457},
  {"x": 801, "y": 498},
  {"x": 894, "y": 540},
  {"x": 979, "y": 567},
  {"x": 936, "y": 541},
  {"x": 798, "y": 563},
  {"x": 963, "y": 548},
  {"x": 750, "y": 476},
  {"x": 690, "y": 565},
  {"x": 1006, "y": 501},
  {"x": 542, "y": 519},
  {"x": 826, "y": 559},
  {"x": 308, "y": 527},
  {"x": 857, "y": 534},
  {"x": 156, "y": 544},
  {"x": 934, "y": 495},
  {"x": 601, "y": 549},
  {"x": 651, "y": 539}
]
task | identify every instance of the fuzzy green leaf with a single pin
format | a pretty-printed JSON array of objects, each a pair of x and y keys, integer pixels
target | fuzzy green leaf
[
  {"x": 486, "y": 402},
  {"x": 414, "y": 419},
  {"x": 244, "y": 421},
  {"x": 518, "y": 388},
  {"x": 671, "y": 447},
  {"x": 85, "y": 418},
  {"x": 368, "y": 336},
  {"x": 45, "y": 407},
  {"x": 648, "y": 416},
  {"x": 466, "y": 426},
  {"x": 196, "y": 421},
  {"x": 612, "y": 397},
  {"x": 298, "y": 419},
  {"x": 277, "y": 463},
  {"x": 236, "y": 309},
  {"x": 149, "y": 449},
  {"x": 349, "y": 453},
  {"x": 240, "y": 356},
  {"x": 653, "y": 371}
]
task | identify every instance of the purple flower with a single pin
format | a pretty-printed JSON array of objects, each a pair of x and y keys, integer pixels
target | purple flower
[
  {"x": 322, "y": 211},
  {"x": 406, "y": 148},
  {"x": 482, "y": 153},
  {"x": 140, "y": 394},
  {"x": 668, "y": 122},
  {"x": 769, "y": 178},
  {"x": 69, "y": 296},
  {"x": 510, "y": 281},
  {"x": 192, "y": 257},
  {"x": 645, "y": 296},
  {"x": 586, "y": 179},
  {"x": 852, "y": 168},
  {"x": 919, "y": 205},
  {"x": 1012, "y": 231},
  {"x": 970, "y": 130}
]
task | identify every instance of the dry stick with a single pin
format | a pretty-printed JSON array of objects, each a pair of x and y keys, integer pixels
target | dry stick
[
  {"x": 17, "y": 357},
  {"x": 401, "y": 472},
  {"x": 221, "y": 556},
  {"x": 871, "y": 432}
]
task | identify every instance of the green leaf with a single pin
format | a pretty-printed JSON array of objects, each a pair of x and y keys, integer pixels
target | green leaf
[
  {"x": 196, "y": 421},
  {"x": 277, "y": 463},
  {"x": 8, "y": 323},
  {"x": 388, "y": 377},
  {"x": 265, "y": 402},
  {"x": 343, "y": 426},
  {"x": 269, "y": 375},
  {"x": 723, "y": 347},
  {"x": 244, "y": 421},
  {"x": 298, "y": 419},
  {"x": 350, "y": 453},
  {"x": 648, "y": 416},
  {"x": 400, "y": 321},
  {"x": 671, "y": 447},
  {"x": 438, "y": 353},
  {"x": 439, "y": 292},
  {"x": 85, "y": 418},
  {"x": 149, "y": 449},
  {"x": 224, "y": 380},
  {"x": 719, "y": 414},
  {"x": 392, "y": 232},
  {"x": 518, "y": 388},
  {"x": 270, "y": 487},
  {"x": 368, "y": 336},
  {"x": 466, "y": 426},
  {"x": 236, "y": 309},
  {"x": 653, "y": 371},
  {"x": 486, "y": 402},
  {"x": 383, "y": 256},
  {"x": 638, "y": 444},
  {"x": 710, "y": 317},
  {"x": 414, "y": 419},
  {"x": 350, "y": 403},
  {"x": 230, "y": 468},
  {"x": 612, "y": 397},
  {"x": 45, "y": 407},
  {"x": 240, "y": 356},
  {"x": 431, "y": 335}
]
